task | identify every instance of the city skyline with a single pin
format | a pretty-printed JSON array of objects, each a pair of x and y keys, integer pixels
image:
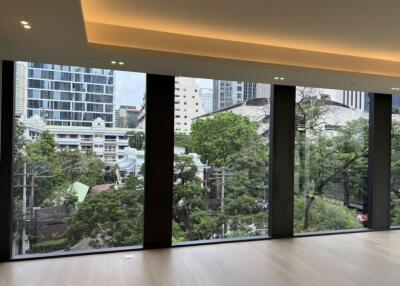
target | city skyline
[{"x": 127, "y": 83}]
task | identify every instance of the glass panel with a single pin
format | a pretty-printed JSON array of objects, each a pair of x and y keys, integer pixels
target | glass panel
[
  {"x": 221, "y": 159},
  {"x": 78, "y": 180},
  {"x": 331, "y": 160},
  {"x": 395, "y": 190}
]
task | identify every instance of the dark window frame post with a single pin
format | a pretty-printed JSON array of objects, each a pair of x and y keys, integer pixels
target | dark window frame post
[
  {"x": 159, "y": 161},
  {"x": 281, "y": 161},
  {"x": 7, "y": 72},
  {"x": 379, "y": 161}
]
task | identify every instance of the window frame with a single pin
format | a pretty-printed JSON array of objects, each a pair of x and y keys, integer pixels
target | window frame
[{"x": 159, "y": 185}]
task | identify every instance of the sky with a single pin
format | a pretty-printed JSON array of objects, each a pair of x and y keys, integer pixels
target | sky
[{"x": 130, "y": 88}]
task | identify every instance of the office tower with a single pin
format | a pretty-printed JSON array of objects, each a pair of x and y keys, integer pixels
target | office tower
[
  {"x": 226, "y": 93},
  {"x": 70, "y": 95},
  {"x": 188, "y": 103},
  {"x": 249, "y": 90},
  {"x": 354, "y": 99},
  {"x": 206, "y": 95},
  {"x": 126, "y": 116}
]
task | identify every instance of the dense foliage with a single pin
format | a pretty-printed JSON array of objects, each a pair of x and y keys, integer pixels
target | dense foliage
[
  {"x": 109, "y": 219},
  {"x": 330, "y": 163}
]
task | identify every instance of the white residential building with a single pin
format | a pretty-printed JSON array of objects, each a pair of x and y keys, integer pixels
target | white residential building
[
  {"x": 133, "y": 160},
  {"x": 188, "y": 103},
  {"x": 108, "y": 143},
  {"x": 129, "y": 164}
]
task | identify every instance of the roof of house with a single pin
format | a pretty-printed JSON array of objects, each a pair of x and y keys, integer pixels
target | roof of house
[
  {"x": 102, "y": 188},
  {"x": 80, "y": 189}
]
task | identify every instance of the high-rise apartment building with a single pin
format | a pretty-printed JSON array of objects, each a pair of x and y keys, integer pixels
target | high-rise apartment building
[
  {"x": 206, "y": 95},
  {"x": 354, "y": 99},
  {"x": 249, "y": 90},
  {"x": 226, "y": 93},
  {"x": 69, "y": 95},
  {"x": 20, "y": 88},
  {"x": 188, "y": 104}
]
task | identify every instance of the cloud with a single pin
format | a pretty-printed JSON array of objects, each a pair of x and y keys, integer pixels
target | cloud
[{"x": 129, "y": 88}]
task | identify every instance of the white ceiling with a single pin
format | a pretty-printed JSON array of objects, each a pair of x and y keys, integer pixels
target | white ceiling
[{"x": 332, "y": 44}]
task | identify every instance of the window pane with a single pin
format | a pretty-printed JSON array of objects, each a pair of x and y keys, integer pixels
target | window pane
[
  {"x": 395, "y": 191},
  {"x": 78, "y": 180},
  {"x": 221, "y": 159},
  {"x": 331, "y": 160}
]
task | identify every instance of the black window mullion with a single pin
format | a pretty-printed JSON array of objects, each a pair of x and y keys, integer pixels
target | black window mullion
[
  {"x": 281, "y": 161},
  {"x": 380, "y": 124},
  {"x": 6, "y": 157},
  {"x": 159, "y": 157}
]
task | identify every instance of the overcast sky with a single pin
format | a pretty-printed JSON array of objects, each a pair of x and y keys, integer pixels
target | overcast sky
[{"x": 130, "y": 88}]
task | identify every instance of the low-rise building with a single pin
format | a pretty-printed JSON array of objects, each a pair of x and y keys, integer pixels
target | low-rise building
[
  {"x": 108, "y": 143},
  {"x": 133, "y": 160}
]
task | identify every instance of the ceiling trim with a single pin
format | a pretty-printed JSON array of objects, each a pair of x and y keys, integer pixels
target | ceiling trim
[{"x": 121, "y": 36}]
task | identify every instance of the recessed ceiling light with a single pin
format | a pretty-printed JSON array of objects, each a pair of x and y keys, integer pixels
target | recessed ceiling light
[
  {"x": 28, "y": 27},
  {"x": 279, "y": 78},
  {"x": 24, "y": 22},
  {"x": 121, "y": 63},
  {"x": 395, "y": 88},
  {"x": 113, "y": 62},
  {"x": 276, "y": 78}
]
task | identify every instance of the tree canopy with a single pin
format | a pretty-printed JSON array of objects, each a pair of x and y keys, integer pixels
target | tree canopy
[{"x": 218, "y": 139}]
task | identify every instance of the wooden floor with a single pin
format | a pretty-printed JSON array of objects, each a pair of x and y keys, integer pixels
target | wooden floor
[{"x": 369, "y": 258}]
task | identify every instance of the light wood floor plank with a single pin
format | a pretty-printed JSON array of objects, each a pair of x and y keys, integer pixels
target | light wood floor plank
[{"x": 371, "y": 258}]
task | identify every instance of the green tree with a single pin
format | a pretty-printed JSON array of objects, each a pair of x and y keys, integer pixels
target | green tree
[
  {"x": 44, "y": 170},
  {"x": 80, "y": 166},
  {"x": 191, "y": 215},
  {"x": 136, "y": 139},
  {"x": 246, "y": 190},
  {"x": 395, "y": 170},
  {"x": 324, "y": 215},
  {"x": 183, "y": 140},
  {"x": 220, "y": 138},
  {"x": 238, "y": 191},
  {"x": 109, "y": 219},
  {"x": 331, "y": 156}
]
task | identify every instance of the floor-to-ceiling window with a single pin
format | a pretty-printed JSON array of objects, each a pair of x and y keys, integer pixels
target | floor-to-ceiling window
[
  {"x": 331, "y": 160},
  {"x": 78, "y": 160},
  {"x": 395, "y": 162},
  {"x": 221, "y": 159}
]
